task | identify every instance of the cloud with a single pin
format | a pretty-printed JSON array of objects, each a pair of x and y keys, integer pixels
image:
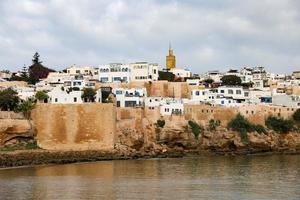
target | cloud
[{"x": 205, "y": 35}]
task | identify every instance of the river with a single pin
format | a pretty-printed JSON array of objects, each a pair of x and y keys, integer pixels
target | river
[{"x": 204, "y": 177}]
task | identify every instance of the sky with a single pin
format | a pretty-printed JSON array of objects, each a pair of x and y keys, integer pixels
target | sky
[{"x": 205, "y": 35}]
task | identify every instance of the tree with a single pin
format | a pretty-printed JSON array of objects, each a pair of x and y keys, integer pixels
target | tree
[
  {"x": 296, "y": 116},
  {"x": 37, "y": 71},
  {"x": 208, "y": 81},
  {"x": 231, "y": 80},
  {"x": 26, "y": 107},
  {"x": 168, "y": 76},
  {"x": 36, "y": 58},
  {"x": 24, "y": 73},
  {"x": 89, "y": 95},
  {"x": 41, "y": 96},
  {"x": 8, "y": 100}
]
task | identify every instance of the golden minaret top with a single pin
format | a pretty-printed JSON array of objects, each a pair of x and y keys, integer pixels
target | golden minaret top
[{"x": 170, "y": 59}]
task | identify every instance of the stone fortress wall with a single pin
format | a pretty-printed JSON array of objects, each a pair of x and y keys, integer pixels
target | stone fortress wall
[{"x": 89, "y": 126}]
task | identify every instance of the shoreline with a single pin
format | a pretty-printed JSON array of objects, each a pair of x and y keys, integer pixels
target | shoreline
[{"x": 30, "y": 158}]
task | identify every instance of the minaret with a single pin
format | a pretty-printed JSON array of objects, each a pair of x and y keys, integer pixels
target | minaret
[{"x": 170, "y": 59}]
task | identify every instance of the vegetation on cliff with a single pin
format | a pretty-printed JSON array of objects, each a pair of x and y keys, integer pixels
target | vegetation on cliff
[
  {"x": 296, "y": 117},
  {"x": 213, "y": 124},
  {"x": 160, "y": 123},
  {"x": 243, "y": 126},
  {"x": 279, "y": 125},
  {"x": 197, "y": 129}
]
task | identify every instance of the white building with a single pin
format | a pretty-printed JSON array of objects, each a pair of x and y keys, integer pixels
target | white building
[
  {"x": 214, "y": 75},
  {"x": 129, "y": 97},
  {"x": 77, "y": 70},
  {"x": 182, "y": 73},
  {"x": 193, "y": 82},
  {"x": 172, "y": 107},
  {"x": 202, "y": 96},
  {"x": 143, "y": 71},
  {"x": 117, "y": 72},
  {"x": 114, "y": 72},
  {"x": 286, "y": 100},
  {"x": 25, "y": 93},
  {"x": 66, "y": 96},
  {"x": 238, "y": 93}
]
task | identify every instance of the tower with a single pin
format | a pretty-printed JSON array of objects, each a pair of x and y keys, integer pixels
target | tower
[{"x": 170, "y": 59}]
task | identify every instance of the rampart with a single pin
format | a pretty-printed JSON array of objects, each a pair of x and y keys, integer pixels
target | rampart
[{"x": 89, "y": 126}]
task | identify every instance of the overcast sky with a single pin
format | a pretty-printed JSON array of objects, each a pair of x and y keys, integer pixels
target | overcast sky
[{"x": 205, "y": 34}]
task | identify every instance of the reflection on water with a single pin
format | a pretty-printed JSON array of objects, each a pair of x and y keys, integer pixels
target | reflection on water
[{"x": 211, "y": 177}]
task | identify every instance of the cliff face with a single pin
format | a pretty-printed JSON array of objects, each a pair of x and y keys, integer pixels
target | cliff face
[
  {"x": 14, "y": 129},
  {"x": 142, "y": 136}
]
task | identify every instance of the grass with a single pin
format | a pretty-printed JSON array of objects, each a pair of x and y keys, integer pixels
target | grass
[{"x": 20, "y": 146}]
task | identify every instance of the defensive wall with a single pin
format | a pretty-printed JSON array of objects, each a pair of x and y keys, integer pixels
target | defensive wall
[{"x": 89, "y": 126}]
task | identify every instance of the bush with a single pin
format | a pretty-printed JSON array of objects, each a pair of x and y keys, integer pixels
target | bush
[
  {"x": 296, "y": 116},
  {"x": 279, "y": 125},
  {"x": 213, "y": 124},
  {"x": 259, "y": 128},
  {"x": 196, "y": 128},
  {"x": 160, "y": 123},
  {"x": 26, "y": 107},
  {"x": 240, "y": 124},
  {"x": 244, "y": 137},
  {"x": 243, "y": 126},
  {"x": 41, "y": 95}
]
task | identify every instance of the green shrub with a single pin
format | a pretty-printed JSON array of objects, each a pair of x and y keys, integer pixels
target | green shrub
[
  {"x": 259, "y": 128},
  {"x": 196, "y": 128},
  {"x": 26, "y": 107},
  {"x": 160, "y": 123},
  {"x": 244, "y": 137},
  {"x": 41, "y": 95},
  {"x": 296, "y": 116},
  {"x": 213, "y": 124},
  {"x": 240, "y": 124},
  {"x": 279, "y": 125},
  {"x": 243, "y": 126}
]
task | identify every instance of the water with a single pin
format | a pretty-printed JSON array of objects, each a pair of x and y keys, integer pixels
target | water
[{"x": 209, "y": 177}]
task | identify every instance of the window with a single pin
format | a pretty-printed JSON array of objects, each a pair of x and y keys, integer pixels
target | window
[
  {"x": 55, "y": 99},
  {"x": 230, "y": 91},
  {"x": 75, "y": 99},
  {"x": 104, "y": 79},
  {"x": 197, "y": 93},
  {"x": 238, "y": 92},
  {"x": 222, "y": 91},
  {"x": 222, "y": 102},
  {"x": 77, "y": 71},
  {"x": 119, "y": 92},
  {"x": 246, "y": 94},
  {"x": 154, "y": 71}
]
